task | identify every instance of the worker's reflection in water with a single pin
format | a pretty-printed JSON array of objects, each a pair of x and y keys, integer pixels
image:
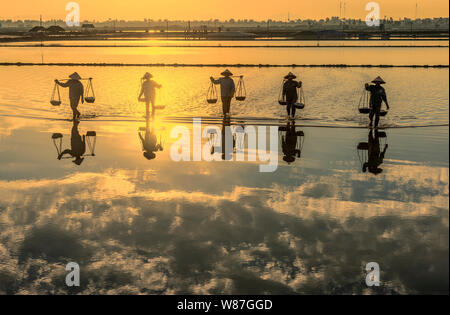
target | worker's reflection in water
[
  {"x": 149, "y": 140},
  {"x": 375, "y": 155},
  {"x": 78, "y": 145},
  {"x": 226, "y": 134},
  {"x": 291, "y": 143}
]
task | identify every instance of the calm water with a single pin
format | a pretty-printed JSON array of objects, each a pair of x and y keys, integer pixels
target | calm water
[
  {"x": 161, "y": 227},
  {"x": 230, "y": 55},
  {"x": 235, "y": 43},
  {"x": 139, "y": 226}
]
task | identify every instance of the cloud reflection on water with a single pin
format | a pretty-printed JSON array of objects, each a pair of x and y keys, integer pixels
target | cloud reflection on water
[{"x": 131, "y": 237}]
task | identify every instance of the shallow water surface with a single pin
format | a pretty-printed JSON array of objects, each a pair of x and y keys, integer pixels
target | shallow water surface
[
  {"x": 163, "y": 227},
  {"x": 123, "y": 42},
  {"x": 196, "y": 54},
  {"x": 417, "y": 97},
  {"x": 338, "y": 197}
]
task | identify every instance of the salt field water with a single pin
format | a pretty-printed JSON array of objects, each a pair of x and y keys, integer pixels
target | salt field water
[{"x": 153, "y": 225}]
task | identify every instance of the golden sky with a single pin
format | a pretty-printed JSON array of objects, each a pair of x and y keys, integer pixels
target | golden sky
[{"x": 224, "y": 9}]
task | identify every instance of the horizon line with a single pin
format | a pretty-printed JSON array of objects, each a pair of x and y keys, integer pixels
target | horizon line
[{"x": 223, "y": 20}]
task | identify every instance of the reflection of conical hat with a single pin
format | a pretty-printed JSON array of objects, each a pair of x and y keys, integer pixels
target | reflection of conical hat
[
  {"x": 227, "y": 73},
  {"x": 375, "y": 170},
  {"x": 149, "y": 155},
  {"x": 78, "y": 160},
  {"x": 75, "y": 76},
  {"x": 378, "y": 80},
  {"x": 290, "y": 75},
  {"x": 288, "y": 159}
]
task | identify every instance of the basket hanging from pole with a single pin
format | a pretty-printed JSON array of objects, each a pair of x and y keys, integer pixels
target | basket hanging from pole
[
  {"x": 281, "y": 97},
  {"x": 90, "y": 94},
  {"x": 301, "y": 103},
  {"x": 241, "y": 92},
  {"x": 211, "y": 96},
  {"x": 56, "y": 96},
  {"x": 364, "y": 102}
]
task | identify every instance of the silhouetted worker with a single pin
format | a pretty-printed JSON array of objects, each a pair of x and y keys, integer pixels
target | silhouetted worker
[
  {"x": 289, "y": 144},
  {"x": 375, "y": 156},
  {"x": 377, "y": 96},
  {"x": 78, "y": 145},
  {"x": 149, "y": 142},
  {"x": 148, "y": 89},
  {"x": 290, "y": 93},
  {"x": 76, "y": 92},
  {"x": 227, "y": 90}
]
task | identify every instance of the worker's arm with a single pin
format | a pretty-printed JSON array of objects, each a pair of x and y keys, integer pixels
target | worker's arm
[
  {"x": 368, "y": 87},
  {"x": 300, "y": 84},
  {"x": 64, "y": 153},
  {"x": 158, "y": 86},
  {"x": 67, "y": 84},
  {"x": 284, "y": 90},
  {"x": 233, "y": 87},
  {"x": 83, "y": 143},
  {"x": 384, "y": 151},
  {"x": 141, "y": 93},
  {"x": 215, "y": 81},
  {"x": 82, "y": 93},
  {"x": 385, "y": 100}
]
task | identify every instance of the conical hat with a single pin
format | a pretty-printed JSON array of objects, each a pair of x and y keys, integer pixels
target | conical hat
[
  {"x": 148, "y": 75},
  {"x": 227, "y": 73},
  {"x": 378, "y": 80},
  {"x": 75, "y": 76},
  {"x": 290, "y": 75}
]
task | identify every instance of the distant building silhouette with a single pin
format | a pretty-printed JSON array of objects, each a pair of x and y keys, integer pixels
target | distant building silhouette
[
  {"x": 55, "y": 29},
  {"x": 388, "y": 25},
  {"x": 88, "y": 28},
  {"x": 37, "y": 29}
]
